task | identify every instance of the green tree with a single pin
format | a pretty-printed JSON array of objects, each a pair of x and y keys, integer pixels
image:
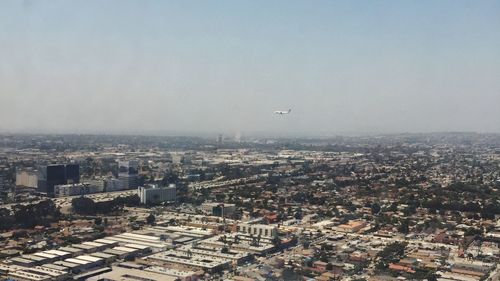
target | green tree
[
  {"x": 98, "y": 221},
  {"x": 83, "y": 206},
  {"x": 151, "y": 219},
  {"x": 404, "y": 227},
  {"x": 290, "y": 274}
]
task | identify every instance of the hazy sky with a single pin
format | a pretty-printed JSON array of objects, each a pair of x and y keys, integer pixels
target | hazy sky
[{"x": 225, "y": 66}]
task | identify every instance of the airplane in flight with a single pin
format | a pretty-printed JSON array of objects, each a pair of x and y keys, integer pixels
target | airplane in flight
[{"x": 280, "y": 112}]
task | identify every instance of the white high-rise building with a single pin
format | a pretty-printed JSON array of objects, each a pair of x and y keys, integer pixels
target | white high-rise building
[
  {"x": 27, "y": 178},
  {"x": 153, "y": 194}
]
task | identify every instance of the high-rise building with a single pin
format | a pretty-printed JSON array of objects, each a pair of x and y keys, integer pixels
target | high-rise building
[
  {"x": 130, "y": 167},
  {"x": 113, "y": 184},
  {"x": 27, "y": 178},
  {"x": 128, "y": 181},
  {"x": 128, "y": 174},
  {"x": 49, "y": 177},
  {"x": 153, "y": 194},
  {"x": 72, "y": 173},
  {"x": 52, "y": 175}
]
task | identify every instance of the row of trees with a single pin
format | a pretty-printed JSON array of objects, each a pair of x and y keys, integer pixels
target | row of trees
[
  {"x": 487, "y": 211},
  {"x": 29, "y": 215},
  {"x": 87, "y": 206}
]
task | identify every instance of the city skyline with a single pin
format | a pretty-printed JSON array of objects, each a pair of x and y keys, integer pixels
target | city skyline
[{"x": 281, "y": 140}]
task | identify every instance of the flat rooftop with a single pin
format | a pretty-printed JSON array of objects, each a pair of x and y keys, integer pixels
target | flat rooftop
[{"x": 130, "y": 274}]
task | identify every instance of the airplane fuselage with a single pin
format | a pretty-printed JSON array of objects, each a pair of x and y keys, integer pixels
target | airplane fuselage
[{"x": 282, "y": 112}]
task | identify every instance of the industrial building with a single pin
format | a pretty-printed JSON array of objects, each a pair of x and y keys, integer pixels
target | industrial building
[{"x": 263, "y": 230}]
